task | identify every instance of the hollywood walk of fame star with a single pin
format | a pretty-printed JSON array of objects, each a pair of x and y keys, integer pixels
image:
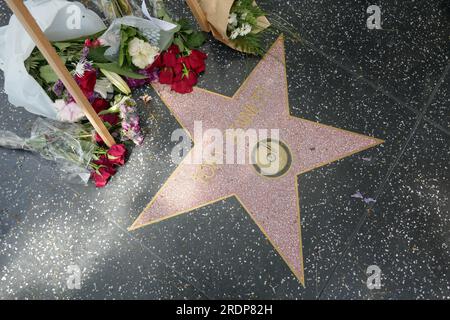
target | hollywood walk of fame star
[{"x": 272, "y": 202}]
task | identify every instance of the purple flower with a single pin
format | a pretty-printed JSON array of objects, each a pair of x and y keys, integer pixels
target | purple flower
[
  {"x": 125, "y": 126},
  {"x": 84, "y": 53},
  {"x": 151, "y": 75},
  {"x": 139, "y": 139},
  {"x": 58, "y": 88}
]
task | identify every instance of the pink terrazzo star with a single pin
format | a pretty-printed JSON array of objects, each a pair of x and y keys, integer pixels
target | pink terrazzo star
[{"x": 273, "y": 203}]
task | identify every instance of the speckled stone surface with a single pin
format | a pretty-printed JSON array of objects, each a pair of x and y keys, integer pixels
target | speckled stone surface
[{"x": 390, "y": 83}]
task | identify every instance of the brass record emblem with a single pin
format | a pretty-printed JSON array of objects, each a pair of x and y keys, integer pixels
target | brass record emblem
[{"x": 271, "y": 158}]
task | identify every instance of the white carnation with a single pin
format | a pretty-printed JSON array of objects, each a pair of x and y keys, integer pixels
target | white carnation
[
  {"x": 141, "y": 61},
  {"x": 134, "y": 46},
  {"x": 142, "y": 53},
  {"x": 149, "y": 50}
]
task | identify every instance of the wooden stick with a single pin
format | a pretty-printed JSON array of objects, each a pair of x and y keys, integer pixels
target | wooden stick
[
  {"x": 199, "y": 15},
  {"x": 47, "y": 50}
]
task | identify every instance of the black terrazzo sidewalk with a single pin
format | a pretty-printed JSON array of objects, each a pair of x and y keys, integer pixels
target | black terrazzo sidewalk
[{"x": 391, "y": 83}]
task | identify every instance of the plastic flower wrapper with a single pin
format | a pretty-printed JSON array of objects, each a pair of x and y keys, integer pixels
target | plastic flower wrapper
[
  {"x": 20, "y": 84},
  {"x": 113, "y": 9},
  {"x": 64, "y": 143},
  {"x": 184, "y": 35},
  {"x": 155, "y": 35}
]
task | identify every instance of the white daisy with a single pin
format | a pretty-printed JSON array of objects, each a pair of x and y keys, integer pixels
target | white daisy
[
  {"x": 232, "y": 20},
  {"x": 245, "y": 29},
  {"x": 235, "y": 34},
  {"x": 81, "y": 67}
]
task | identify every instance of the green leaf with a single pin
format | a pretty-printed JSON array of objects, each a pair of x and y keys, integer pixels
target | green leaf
[
  {"x": 123, "y": 43},
  {"x": 176, "y": 29},
  {"x": 47, "y": 73},
  {"x": 188, "y": 31},
  {"x": 184, "y": 24},
  {"x": 179, "y": 43},
  {"x": 196, "y": 40},
  {"x": 98, "y": 54},
  {"x": 123, "y": 71},
  {"x": 62, "y": 45}
]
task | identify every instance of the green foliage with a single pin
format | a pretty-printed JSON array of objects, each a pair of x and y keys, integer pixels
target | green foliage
[
  {"x": 47, "y": 74},
  {"x": 34, "y": 61},
  {"x": 98, "y": 54},
  {"x": 123, "y": 71},
  {"x": 251, "y": 43},
  {"x": 39, "y": 69},
  {"x": 126, "y": 35},
  {"x": 186, "y": 38},
  {"x": 248, "y": 8}
]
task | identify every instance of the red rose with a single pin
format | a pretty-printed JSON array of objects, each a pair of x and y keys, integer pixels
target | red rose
[
  {"x": 181, "y": 72},
  {"x": 100, "y": 104},
  {"x": 191, "y": 78},
  {"x": 102, "y": 161},
  {"x": 174, "y": 49},
  {"x": 179, "y": 68},
  {"x": 198, "y": 54},
  {"x": 182, "y": 87},
  {"x": 102, "y": 175},
  {"x": 110, "y": 118},
  {"x": 98, "y": 139},
  {"x": 87, "y": 82},
  {"x": 196, "y": 61},
  {"x": 157, "y": 63},
  {"x": 116, "y": 154},
  {"x": 169, "y": 59},
  {"x": 185, "y": 84},
  {"x": 166, "y": 76}
]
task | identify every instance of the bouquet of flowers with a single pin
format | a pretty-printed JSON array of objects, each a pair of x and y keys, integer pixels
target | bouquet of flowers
[
  {"x": 107, "y": 66},
  {"x": 104, "y": 83},
  {"x": 113, "y": 9},
  {"x": 71, "y": 147},
  {"x": 236, "y": 23}
]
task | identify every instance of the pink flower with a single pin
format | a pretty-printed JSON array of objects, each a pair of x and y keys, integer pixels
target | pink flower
[
  {"x": 68, "y": 112},
  {"x": 93, "y": 43}
]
